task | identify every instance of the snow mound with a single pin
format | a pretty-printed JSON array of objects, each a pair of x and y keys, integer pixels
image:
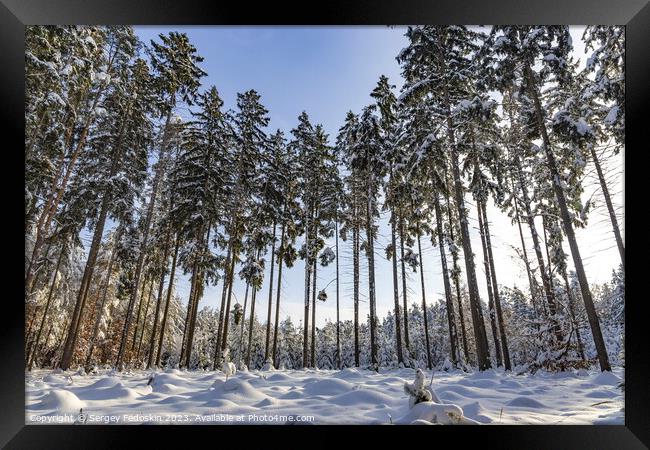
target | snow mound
[
  {"x": 525, "y": 402},
  {"x": 222, "y": 403},
  {"x": 167, "y": 378},
  {"x": 450, "y": 395},
  {"x": 600, "y": 394},
  {"x": 479, "y": 383},
  {"x": 217, "y": 384},
  {"x": 392, "y": 380},
  {"x": 510, "y": 384},
  {"x": 291, "y": 395},
  {"x": 248, "y": 376},
  {"x": 36, "y": 384},
  {"x": 361, "y": 397},
  {"x": 461, "y": 390},
  {"x": 62, "y": 401},
  {"x": 236, "y": 389},
  {"x": 347, "y": 374},
  {"x": 172, "y": 400},
  {"x": 210, "y": 378},
  {"x": 445, "y": 414},
  {"x": 476, "y": 412},
  {"x": 269, "y": 401},
  {"x": 105, "y": 382},
  {"x": 118, "y": 391},
  {"x": 279, "y": 377},
  {"x": 53, "y": 379},
  {"x": 526, "y": 392},
  {"x": 329, "y": 386},
  {"x": 606, "y": 378},
  {"x": 167, "y": 388}
]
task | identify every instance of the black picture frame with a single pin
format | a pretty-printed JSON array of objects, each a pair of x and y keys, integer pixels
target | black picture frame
[{"x": 15, "y": 14}]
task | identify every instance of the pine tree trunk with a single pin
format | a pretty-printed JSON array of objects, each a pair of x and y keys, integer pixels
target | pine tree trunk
[
  {"x": 371, "y": 279},
  {"x": 270, "y": 309},
  {"x": 548, "y": 254},
  {"x": 31, "y": 356},
  {"x": 488, "y": 281},
  {"x": 355, "y": 256},
  {"x": 451, "y": 317},
  {"x": 546, "y": 283},
  {"x": 188, "y": 315},
  {"x": 277, "y": 298},
  {"x": 581, "y": 350},
  {"x": 167, "y": 302},
  {"x": 250, "y": 327},
  {"x": 29, "y": 339},
  {"x": 37, "y": 132},
  {"x": 425, "y": 315},
  {"x": 144, "y": 322},
  {"x": 224, "y": 292},
  {"x": 142, "y": 328},
  {"x": 568, "y": 229},
  {"x": 30, "y": 289},
  {"x": 41, "y": 227},
  {"x": 77, "y": 315},
  {"x": 137, "y": 319},
  {"x": 338, "y": 320},
  {"x": 313, "y": 317},
  {"x": 456, "y": 278},
  {"x": 398, "y": 327},
  {"x": 161, "y": 286},
  {"x": 43, "y": 346},
  {"x": 198, "y": 293},
  {"x": 102, "y": 303},
  {"x": 531, "y": 278},
  {"x": 226, "y": 312},
  {"x": 407, "y": 340},
  {"x": 482, "y": 353},
  {"x": 145, "y": 239},
  {"x": 531, "y": 284},
  {"x": 305, "y": 331},
  {"x": 241, "y": 330},
  {"x": 497, "y": 298},
  {"x": 610, "y": 208},
  {"x": 59, "y": 348}
]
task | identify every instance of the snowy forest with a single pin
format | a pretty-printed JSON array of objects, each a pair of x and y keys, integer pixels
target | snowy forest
[{"x": 501, "y": 118}]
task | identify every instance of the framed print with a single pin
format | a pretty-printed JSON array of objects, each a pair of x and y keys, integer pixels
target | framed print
[{"x": 366, "y": 219}]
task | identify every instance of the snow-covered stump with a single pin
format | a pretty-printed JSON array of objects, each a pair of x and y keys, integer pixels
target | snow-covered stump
[
  {"x": 228, "y": 368},
  {"x": 425, "y": 406}
]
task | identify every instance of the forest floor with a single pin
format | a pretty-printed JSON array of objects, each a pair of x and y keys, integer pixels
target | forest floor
[{"x": 349, "y": 396}]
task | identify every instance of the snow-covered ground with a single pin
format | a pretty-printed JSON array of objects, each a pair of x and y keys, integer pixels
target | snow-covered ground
[{"x": 350, "y": 396}]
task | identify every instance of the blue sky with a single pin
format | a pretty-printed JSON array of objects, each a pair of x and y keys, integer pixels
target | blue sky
[
  {"x": 323, "y": 70},
  {"x": 327, "y": 71}
]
